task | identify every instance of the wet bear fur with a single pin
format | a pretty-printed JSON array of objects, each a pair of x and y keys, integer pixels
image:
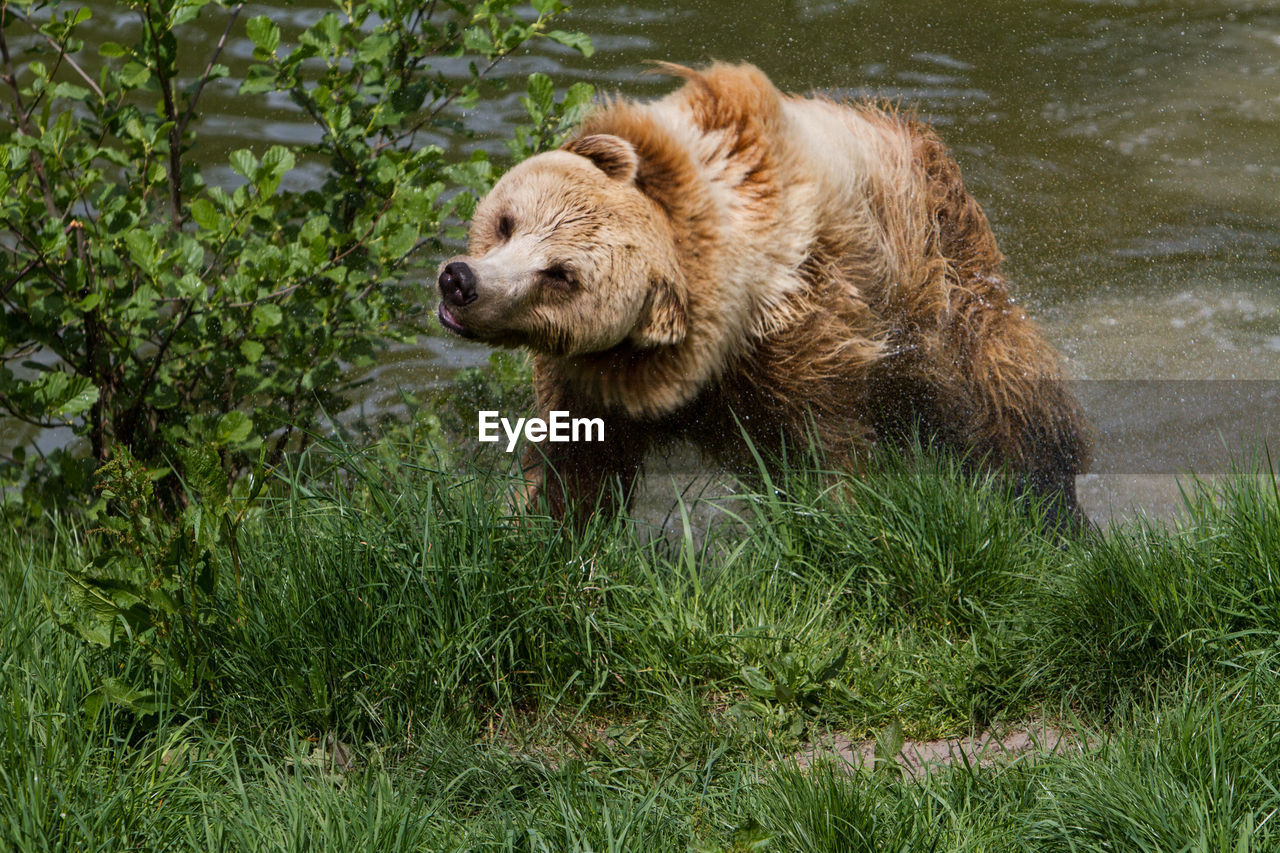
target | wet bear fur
[{"x": 732, "y": 259}]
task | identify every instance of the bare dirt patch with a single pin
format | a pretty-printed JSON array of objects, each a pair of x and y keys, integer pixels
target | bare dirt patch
[{"x": 1026, "y": 741}]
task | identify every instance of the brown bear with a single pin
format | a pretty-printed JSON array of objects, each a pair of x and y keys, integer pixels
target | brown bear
[{"x": 731, "y": 261}]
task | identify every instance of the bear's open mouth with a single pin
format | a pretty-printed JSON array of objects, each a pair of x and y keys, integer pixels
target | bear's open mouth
[{"x": 447, "y": 320}]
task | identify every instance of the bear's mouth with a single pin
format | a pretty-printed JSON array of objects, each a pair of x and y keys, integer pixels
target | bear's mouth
[{"x": 450, "y": 322}]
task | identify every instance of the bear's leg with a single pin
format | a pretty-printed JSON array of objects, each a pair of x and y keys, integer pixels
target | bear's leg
[
  {"x": 583, "y": 478},
  {"x": 1055, "y": 452},
  {"x": 1032, "y": 430},
  {"x": 1040, "y": 442}
]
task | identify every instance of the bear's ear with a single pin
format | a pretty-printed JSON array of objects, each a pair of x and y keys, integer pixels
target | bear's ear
[
  {"x": 664, "y": 320},
  {"x": 613, "y": 155}
]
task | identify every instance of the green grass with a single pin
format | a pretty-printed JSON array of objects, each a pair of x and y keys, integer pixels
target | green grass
[{"x": 502, "y": 684}]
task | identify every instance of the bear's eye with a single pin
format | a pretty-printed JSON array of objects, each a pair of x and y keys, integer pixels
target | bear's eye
[
  {"x": 506, "y": 226},
  {"x": 558, "y": 276}
]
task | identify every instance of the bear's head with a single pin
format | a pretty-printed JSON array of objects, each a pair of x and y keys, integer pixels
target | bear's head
[{"x": 567, "y": 256}]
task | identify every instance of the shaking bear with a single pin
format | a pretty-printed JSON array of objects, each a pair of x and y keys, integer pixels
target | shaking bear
[{"x": 731, "y": 263}]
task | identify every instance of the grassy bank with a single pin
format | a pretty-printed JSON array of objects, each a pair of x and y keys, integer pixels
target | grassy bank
[{"x": 399, "y": 665}]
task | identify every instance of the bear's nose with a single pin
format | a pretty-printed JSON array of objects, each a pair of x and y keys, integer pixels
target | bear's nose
[{"x": 458, "y": 284}]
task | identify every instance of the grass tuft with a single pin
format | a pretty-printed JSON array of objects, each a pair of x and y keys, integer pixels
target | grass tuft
[{"x": 404, "y": 665}]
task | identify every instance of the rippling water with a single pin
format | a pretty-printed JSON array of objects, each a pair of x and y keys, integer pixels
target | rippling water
[{"x": 1127, "y": 154}]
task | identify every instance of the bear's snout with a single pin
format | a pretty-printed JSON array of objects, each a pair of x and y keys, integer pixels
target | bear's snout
[{"x": 458, "y": 284}]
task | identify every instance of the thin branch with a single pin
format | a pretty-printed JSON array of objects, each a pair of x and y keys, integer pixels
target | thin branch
[
  {"x": 12, "y": 411},
  {"x": 284, "y": 291},
  {"x": 21, "y": 117},
  {"x": 456, "y": 93},
  {"x": 329, "y": 264},
  {"x": 535, "y": 29},
  {"x": 170, "y": 113},
  {"x": 84, "y": 75},
  {"x": 208, "y": 69},
  {"x": 9, "y": 285},
  {"x": 129, "y": 418},
  {"x": 21, "y": 352},
  {"x": 35, "y": 250},
  {"x": 310, "y": 107}
]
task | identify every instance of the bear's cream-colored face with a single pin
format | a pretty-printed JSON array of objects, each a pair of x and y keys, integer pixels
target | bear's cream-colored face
[{"x": 566, "y": 257}]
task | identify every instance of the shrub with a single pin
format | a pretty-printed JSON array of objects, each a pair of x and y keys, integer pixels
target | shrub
[{"x": 146, "y": 307}]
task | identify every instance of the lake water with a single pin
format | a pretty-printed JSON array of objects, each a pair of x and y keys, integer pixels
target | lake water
[{"x": 1126, "y": 153}]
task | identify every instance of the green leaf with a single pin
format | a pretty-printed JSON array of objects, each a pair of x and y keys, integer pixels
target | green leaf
[
  {"x": 477, "y": 40},
  {"x": 278, "y": 159},
  {"x": 142, "y": 248},
  {"x": 234, "y": 427},
  {"x": 244, "y": 163},
  {"x": 119, "y": 692},
  {"x": 69, "y": 91},
  {"x": 578, "y": 97},
  {"x": 275, "y": 163},
  {"x": 204, "y": 214},
  {"x": 757, "y": 682},
  {"x": 267, "y": 315},
  {"x": 325, "y": 34},
  {"x": 264, "y": 34},
  {"x": 90, "y": 629},
  {"x": 207, "y": 578},
  {"x": 103, "y": 596},
  {"x": 259, "y": 79},
  {"x": 133, "y": 129},
  {"x": 399, "y": 241},
  {"x": 889, "y": 743},
  {"x": 93, "y": 300},
  {"x": 185, "y": 11},
  {"x": 374, "y": 48},
  {"x": 164, "y": 397},
  {"x": 53, "y": 394},
  {"x": 110, "y": 50},
  {"x": 831, "y": 668},
  {"x": 202, "y": 470},
  {"x": 81, "y": 395},
  {"x": 580, "y": 42},
  {"x": 190, "y": 253},
  {"x": 133, "y": 75},
  {"x": 541, "y": 92},
  {"x": 252, "y": 351},
  {"x": 315, "y": 227},
  {"x": 190, "y": 286}
]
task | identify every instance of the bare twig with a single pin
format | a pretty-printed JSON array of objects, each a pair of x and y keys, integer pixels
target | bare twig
[{"x": 33, "y": 248}]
